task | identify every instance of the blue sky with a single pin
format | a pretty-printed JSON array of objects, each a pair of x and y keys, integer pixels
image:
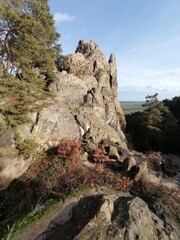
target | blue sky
[{"x": 143, "y": 34}]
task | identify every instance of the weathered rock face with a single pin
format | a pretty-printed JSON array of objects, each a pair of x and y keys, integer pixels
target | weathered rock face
[
  {"x": 108, "y": 215},
  {"x": 11, "y": 165},
  {"x": 85, "y": 102},
  {"x": 85, "y": 105}
]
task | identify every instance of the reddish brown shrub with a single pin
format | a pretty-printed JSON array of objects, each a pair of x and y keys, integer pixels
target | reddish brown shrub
[
  {"x": 69, "y": 148},
  {"x": 100, "y": 155},
  {"x": 125, "y": 183}
]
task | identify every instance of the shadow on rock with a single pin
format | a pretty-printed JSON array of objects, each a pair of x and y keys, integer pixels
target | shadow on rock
[{"x": 73, "y": 219}]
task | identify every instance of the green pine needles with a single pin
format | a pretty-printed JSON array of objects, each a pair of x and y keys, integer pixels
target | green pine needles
[{"x": 28, "y": 52}]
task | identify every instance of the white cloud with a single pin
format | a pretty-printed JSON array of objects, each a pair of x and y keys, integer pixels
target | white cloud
[{"x": 63, "y": 17}]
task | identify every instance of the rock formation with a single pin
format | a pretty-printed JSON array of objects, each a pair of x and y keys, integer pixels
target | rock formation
[
  {"x": 106, "y": 214},
  {"x": 85, "y": 103},
  {"x": 136, "y": 195},
  {"x": 85, "y": 106}
]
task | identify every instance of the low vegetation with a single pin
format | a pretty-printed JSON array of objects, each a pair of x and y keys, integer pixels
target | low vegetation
[
  {"x": 69, "y": 149},
  {"x": 100, "y": 155},
  {"x": 50, "y": 180}
]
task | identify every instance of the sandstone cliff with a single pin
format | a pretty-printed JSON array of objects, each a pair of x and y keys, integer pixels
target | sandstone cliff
[
  {"x": 85, "y": 103},
  {"x": 85, "y": 106}
]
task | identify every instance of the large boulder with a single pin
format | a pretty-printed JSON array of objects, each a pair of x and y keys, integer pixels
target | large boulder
[{"x": 108, "y": 215}]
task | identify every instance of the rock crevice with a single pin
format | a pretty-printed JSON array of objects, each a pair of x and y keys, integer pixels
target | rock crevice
[
  {"x": 85, "y": 105},
  {"x": 85, "y": 99}
]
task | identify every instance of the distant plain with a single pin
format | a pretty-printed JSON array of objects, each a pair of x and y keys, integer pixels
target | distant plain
[{"x": 131, "y": 106}]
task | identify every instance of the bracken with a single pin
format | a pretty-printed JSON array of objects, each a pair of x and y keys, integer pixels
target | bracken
[{"x": 69, "y": 149}]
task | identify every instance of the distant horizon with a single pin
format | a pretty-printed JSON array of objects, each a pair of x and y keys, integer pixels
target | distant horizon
[
  {"x": 132, "y": 101},
  {"x": 130, "y": 97}
]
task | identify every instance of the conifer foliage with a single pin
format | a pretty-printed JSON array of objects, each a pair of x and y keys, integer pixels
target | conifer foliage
[
  {"x": 28, "y": 51},
  {"x": 154, "y": 111},
  {"x": 157, "y": 128},
  {"x": 153, "y": 114}
]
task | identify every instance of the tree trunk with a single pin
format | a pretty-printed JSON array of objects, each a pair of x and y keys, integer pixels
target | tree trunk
[{"x": 8, "y": 50}]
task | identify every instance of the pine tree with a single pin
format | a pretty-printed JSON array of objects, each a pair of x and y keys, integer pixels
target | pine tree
[
  {"x": 153, "y": 116},
  {"x": 154, "y": 110},
  {"x": 28, "y": 51}
]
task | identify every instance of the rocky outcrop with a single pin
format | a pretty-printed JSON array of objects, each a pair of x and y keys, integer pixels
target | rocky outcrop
[
  {"x": 84, "y": 106},
  {"x": 106, "y": 214},
  {"x": 85, "y": 103},
  {"x": 145, "y": 204}
]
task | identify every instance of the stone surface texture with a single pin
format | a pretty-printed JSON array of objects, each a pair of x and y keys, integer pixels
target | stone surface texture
[
  {"x": 108, "y": 215},
  {"x": 85, "y": 103},
  {"x": 85, "y": 106}
]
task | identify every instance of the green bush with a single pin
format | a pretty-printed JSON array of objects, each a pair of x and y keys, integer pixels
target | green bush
[{"x": 63, "y": 63}]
